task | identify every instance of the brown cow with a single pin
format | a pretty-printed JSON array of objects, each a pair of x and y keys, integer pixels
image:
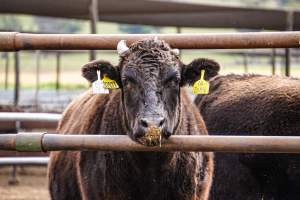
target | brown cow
[
  {"x": 150, "y": 76},
  {"x": 253, "y": 105}
]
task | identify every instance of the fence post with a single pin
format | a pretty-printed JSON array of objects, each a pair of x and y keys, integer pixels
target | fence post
[
  {"x": 245, "y": 56},
  {"x": 57, "y": 85},
  {"x": 37, "y": 74},
  {"x": 17, "y": 78},
  {"x": 273, "y": 61},
  {"x": 6, "y": 70}
]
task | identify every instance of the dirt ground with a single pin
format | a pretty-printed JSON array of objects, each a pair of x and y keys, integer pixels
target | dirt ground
[{"x": 32, "y": 184}]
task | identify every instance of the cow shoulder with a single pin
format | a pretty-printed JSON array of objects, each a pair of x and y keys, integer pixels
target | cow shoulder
[{"x": 82, "y": 113}]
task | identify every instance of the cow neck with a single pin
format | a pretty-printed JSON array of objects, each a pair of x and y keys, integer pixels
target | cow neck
[
  {"x": 125, "y": 124},
  {"x": 179, "y": 122}
]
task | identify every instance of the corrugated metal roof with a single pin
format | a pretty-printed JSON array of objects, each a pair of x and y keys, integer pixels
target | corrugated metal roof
[{"x": 158, "y": 12}]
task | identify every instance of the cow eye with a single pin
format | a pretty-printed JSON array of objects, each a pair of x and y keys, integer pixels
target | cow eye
[
  {"x": 171, "y": 78},
  {"x": 129, "y": 81},
  {"x": 171, "y": 81}
]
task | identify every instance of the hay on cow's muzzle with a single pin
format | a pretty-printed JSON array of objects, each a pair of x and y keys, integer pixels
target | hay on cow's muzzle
[{"x": 152, "y": 136}]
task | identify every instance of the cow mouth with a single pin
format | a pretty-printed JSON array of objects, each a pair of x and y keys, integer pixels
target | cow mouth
[{"x": 153, "y": 137}]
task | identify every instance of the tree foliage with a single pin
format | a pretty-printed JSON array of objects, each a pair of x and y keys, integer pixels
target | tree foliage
[{"x": 10, "y": 22}]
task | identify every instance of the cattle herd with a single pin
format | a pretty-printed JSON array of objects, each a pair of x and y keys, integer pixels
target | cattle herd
[{"x": 152, "y": 95}]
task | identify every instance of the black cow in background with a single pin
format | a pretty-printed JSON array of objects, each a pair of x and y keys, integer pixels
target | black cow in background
[{"x": 253, "y": 105}]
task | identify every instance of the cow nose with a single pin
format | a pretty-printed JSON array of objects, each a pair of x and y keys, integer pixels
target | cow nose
[{"x": 158, "y": 122}]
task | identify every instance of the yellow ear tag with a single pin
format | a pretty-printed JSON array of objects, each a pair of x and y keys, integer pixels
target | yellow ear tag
[
  {"x": 201, "y": 86},
  {"x": 109, "y": 83},
  {"x": 97, "y": 86}
]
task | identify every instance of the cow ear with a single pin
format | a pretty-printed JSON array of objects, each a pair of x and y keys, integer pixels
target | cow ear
[
  {"x": 191, "y": 73},
  {"x": 89, "y": 71}
]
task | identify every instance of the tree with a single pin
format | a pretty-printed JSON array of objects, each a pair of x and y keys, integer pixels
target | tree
[{"x": 10, "y": 22}]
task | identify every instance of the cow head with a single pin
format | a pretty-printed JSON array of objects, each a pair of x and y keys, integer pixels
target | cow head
[{"x": 150, "y": 76}]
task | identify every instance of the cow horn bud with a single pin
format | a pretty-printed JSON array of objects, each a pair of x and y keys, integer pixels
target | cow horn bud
[
  {"x": 122, "y": 47},
  {"x": 175, "y": 51}
]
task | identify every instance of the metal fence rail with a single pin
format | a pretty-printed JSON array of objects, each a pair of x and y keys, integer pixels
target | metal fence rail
[
  {"x": 13, "y": 41},
  {"x": 24, "y": 161},
  {"x": 18, "y": 116},
  {"x": 55, "y": 142}
]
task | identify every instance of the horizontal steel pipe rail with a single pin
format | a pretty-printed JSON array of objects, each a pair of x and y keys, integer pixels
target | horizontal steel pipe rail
[
  {"x": 19, "y": 116},
  {"x": 24, "y": 161},
  {"x": 27, "y": 125},
  {"x": 13, "y": 41},
  {"x": 56, "y": 142}
]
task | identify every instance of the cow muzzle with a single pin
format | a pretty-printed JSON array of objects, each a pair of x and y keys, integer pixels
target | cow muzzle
[{"x": 149, "y": 131}]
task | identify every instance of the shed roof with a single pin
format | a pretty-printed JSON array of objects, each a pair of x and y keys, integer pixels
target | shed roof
[{"x": 158, "y": 12}]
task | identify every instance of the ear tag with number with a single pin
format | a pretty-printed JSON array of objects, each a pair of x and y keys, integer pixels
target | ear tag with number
[
  {"x": 201, "y": 86},
  {"x": 97, "y": 86},
  {"x": 109, "y": 83}
]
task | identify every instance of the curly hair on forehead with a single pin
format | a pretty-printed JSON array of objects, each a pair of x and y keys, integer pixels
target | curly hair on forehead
[
  {"x": 149, "y": 51},
  {"x": 150, "y": 44}
]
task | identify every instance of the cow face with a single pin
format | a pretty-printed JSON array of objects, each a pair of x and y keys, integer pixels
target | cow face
[{"x": 150, "y": 76}]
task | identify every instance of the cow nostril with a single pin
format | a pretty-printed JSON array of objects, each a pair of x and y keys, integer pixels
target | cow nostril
[
  {"x": 144, "y": 123},
  {"x": 161, "y": 123},
  {"x": 158, "y": 122}
]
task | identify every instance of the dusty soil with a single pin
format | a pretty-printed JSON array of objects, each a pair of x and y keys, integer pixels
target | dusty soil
[{"x": 32, "y": 184}]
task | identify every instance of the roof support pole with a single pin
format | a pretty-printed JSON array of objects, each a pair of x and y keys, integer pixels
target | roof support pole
[
  {"x": 273, "y": 61},
  {"x": 289, "y": 23},
  {"x": 93, "y": 9},
  {"x": 178, "y": 30}
]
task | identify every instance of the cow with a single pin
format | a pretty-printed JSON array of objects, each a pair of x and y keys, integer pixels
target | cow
[
  {"x": 253, "y": 104},
  {"x": 151, "y": 96}
]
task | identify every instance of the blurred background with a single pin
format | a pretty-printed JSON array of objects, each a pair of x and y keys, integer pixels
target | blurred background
[{"x": 46, "y": 81}]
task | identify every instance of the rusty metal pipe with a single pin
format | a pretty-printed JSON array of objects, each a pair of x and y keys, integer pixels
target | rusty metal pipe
[
  {"x": 253, "y": 144},
  {"x": 12, "y": 41},
  {"x": 244, "y": 144},
  {"x": 8, "y": 142},
  {"x": 39, "y": 117},
  {"x": 24, "y": 161}
]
